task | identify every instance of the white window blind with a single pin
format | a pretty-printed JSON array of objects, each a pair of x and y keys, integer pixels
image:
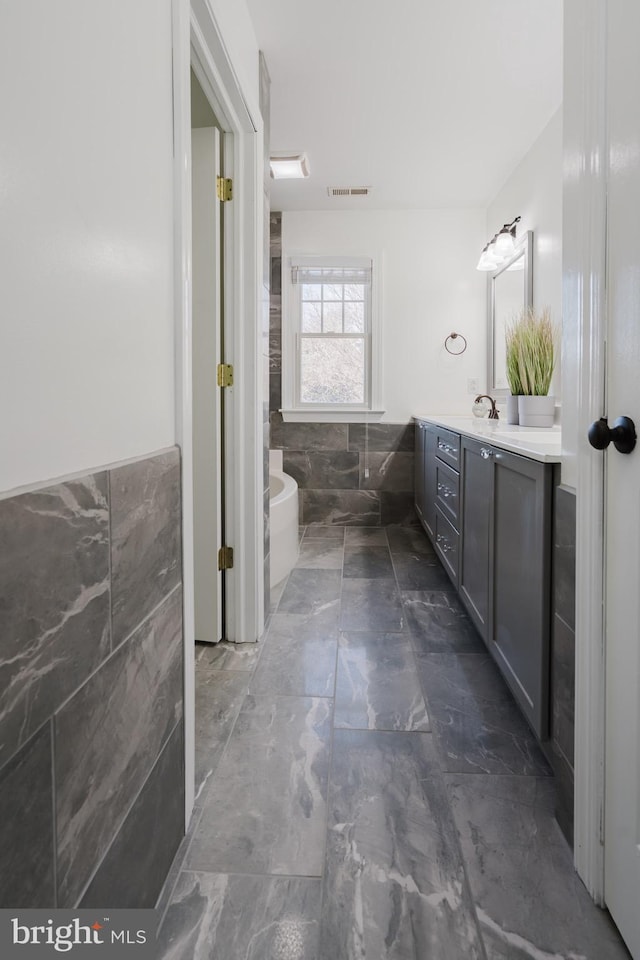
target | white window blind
[{"x": 328, "y": 274}]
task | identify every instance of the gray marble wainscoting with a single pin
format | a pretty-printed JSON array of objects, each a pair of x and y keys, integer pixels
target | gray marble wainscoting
[
  {"x": 351, "y": 474},
  {"x": 370, "y": 789},
  {"x": 91, "y": 688}
]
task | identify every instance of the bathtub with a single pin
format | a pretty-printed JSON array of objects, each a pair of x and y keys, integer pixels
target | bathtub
[{"x": 283, "y": 505}]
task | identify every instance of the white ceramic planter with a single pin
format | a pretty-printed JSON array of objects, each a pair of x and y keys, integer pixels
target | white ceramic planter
[
  {"x": 536, "y": 411},
  {"x": 512, "y": 414}
]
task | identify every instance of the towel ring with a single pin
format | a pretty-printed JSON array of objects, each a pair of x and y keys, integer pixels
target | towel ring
[{"x": 454, "y": 336}]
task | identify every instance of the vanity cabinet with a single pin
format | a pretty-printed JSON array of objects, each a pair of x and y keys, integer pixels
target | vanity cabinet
[
  {"x": 425, "y": 479},
  {"x": 475, "y": 560},
  {"x": 442, "y": 495},
  {"x": 492, "y": 531}
]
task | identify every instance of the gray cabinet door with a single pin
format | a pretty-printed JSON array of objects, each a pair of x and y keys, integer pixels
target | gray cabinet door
[
  {"x": 419, "y": 462},
  {"x": 430, "y": 480},
  {"x": 520, "y": 588},
  {"x": 476, "y": 509}
]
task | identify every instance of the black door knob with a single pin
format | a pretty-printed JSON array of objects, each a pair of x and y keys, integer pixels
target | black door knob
[{"x": 622, "y": 434}]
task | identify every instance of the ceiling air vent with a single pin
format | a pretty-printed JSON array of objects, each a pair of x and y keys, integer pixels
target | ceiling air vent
[{"x": 348, "y": 191}]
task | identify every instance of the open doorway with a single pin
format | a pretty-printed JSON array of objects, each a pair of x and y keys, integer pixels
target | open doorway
[
  {"x": 198, "y": 47},
  {"x": 207, "y": 347}
]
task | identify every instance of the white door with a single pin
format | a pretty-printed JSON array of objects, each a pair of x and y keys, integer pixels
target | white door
[
  {"x": 622, "y": 770},
  {"x": 206, "y": 349}
]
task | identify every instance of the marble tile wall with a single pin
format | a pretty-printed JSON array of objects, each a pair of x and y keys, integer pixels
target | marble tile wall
[
  {"x": 91, "y": 687},
  {"x": 348, "y": 473},
  {"x": 562, "y": 729}
]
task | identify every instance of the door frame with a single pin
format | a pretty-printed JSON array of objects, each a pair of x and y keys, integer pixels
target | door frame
[
  {"x": 198, "y": 42},
  {"x": 585, "y": 316}
]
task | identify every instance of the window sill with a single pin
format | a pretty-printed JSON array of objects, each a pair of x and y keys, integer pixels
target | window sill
[{"x": 332, "y": 416}]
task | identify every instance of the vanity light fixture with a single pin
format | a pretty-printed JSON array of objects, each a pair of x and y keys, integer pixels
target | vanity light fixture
[
  {"x": 499, "y": 249},
  {"x": 287, "y": 166}
]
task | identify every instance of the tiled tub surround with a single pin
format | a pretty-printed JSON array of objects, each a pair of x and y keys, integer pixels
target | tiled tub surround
[
  {"x": 350, "y": 474},
  {"x": 91, "y": 688},
  {"x": 389, "y": 801}
]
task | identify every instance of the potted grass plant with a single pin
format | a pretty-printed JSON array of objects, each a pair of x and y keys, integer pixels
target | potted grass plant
[{"x": 530, "y": 356}]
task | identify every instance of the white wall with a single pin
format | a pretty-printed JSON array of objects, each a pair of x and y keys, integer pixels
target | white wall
[
  {"x": 86, "y": 230},
  {"x": 534, "y": 192},
  {"x": 430, "y": 288},
  {"x": 86, "y": 234}
]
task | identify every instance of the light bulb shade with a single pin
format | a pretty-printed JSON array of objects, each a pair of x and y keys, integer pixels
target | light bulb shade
[
  {"x": 486, "y": 262},
  {"x": 505, "y": 247},
  {"x": 289, "y": 167},
  {"x": 488, "y": 259}
]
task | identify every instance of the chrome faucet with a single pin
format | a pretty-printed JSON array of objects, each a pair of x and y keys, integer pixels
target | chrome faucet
[{"x": 493, "y": 413}]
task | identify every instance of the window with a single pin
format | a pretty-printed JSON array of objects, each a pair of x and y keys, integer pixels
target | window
[{"x": 330, "y": 362}]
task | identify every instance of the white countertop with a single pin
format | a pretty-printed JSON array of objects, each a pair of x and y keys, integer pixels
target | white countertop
[{"x": 538, "y": 443}]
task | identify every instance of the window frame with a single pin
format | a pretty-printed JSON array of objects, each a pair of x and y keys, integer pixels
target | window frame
[{"x": 293, "y": 409}]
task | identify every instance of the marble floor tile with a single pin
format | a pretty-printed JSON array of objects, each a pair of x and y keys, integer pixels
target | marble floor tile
[
  {"x": 320, "y": 555},
  {"x": 319, "y": 531},
  {"x": 265, "y": 810},
  {"x": 477, "y": 725},
  {"x": 367, "y": 562},
  {"x": 219, "y": 698},
  {"x": 299, "y": 657},
  {"x": 308, "y": 591},
  {"x": 394, "y": 885},
  {"x": 371, "y": 605},
  {"x": 408, "y": 540},
  {"x": 377, "y": 686},
  {"x": 419, "y": 571},
  {"x": 530, "y": 902},
  {"x": 276, "y": 594},
  {"x": 220, "y": 917},
  {"x": 371, "y": 536},
  {"x": 228, "y": 656},
  {"x": 438, "y": 623}
]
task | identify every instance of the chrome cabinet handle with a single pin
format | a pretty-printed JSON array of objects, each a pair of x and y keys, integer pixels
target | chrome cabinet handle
[
  {"x": 444, "y": 544},
  {"x": 485, "y": 453},
  {"x": 446, "y": 447},
  {"x": 445, "y": 491}
]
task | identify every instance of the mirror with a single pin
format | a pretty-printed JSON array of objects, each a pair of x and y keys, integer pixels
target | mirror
[{"x": 510, "y": 291}]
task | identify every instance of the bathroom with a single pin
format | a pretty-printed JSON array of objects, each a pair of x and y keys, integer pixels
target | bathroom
[{"x": 353, "y": 771}]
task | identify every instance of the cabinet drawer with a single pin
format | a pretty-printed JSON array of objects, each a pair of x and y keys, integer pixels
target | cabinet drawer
[
  {"x": 448, "y": 492},
  {"x": 448, "y": 447},
  {"x": 447, "y": 540}
]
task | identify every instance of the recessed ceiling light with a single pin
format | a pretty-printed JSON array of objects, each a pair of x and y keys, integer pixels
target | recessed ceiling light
[{"x": 289, "y": 166}]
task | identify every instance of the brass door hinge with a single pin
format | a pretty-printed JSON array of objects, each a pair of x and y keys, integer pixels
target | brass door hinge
[
  {"x": 224, "y": 188},
  {"x": 225, "y": 558},
  {"x": 225, "y": 375}
]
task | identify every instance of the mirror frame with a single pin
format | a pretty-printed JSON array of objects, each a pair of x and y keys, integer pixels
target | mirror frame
[{"x": 524, "y": 247}]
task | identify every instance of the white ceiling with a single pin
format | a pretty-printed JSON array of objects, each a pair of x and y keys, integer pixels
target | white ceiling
[{"x": 431, "y": 102}]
